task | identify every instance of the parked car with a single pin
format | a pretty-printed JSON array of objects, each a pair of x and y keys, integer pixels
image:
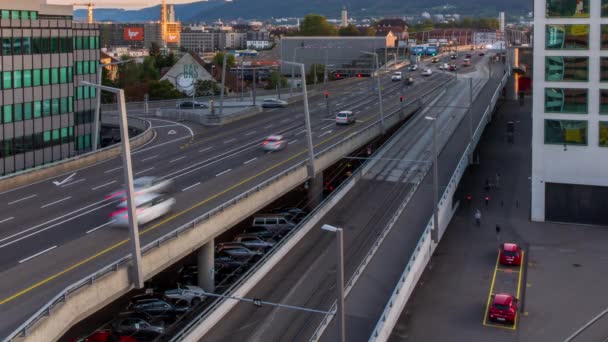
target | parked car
[
  {"x": 409, "y": 80},
  {"x": 150, "y": 206},
  {"x": 452, "y": 67},
  {"x": 481, "y": 53},
  {"x": 237, "y": 251},
  {"x": 105, "y": 336},
  {"x": 193, "y": 295},
  {"x": 263, "y": 233},
  {"x": 396, "y": 76},
  {"x": 412, "y": 67},
  {"x": 292, "y": 214},
  {"x": 274, "y": 103},
  {"x": 224, "y": 263},
  {"x": 443, "y": 66},
  {"x": 144, "y": 185},
  {"x": 503, "y": 308},
  {"x": 137, "y": 327},
  {"x": 510, "y": 254},
  {"x": 254, "y": 242},
  {"x": 345, "y": 117},
  {"x": 274, "y": 143},
  {"x": 427, "y": 72},
  {"x": 188, "y": 274},
  {"x": 158, "y": 308},
  {"x": 466, "y": 62},
  {"x": 453, "y": 56},
  {"x": 468, "y": 55},
  {"x": 190, "y": 104},
  {"x": 274, "y": 223}
]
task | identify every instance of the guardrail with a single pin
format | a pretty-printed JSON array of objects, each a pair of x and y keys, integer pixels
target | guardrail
[
  {"x": 46, "y": 310},
  {"x": 415, "y": 266}
]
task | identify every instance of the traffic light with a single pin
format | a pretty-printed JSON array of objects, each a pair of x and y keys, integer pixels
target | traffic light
[
  {"x": 338, "y": 75},
  {"x": 326, "y": 94},
  {"x": 359, "y": 75},
  {"x": 401, "y": 98}
]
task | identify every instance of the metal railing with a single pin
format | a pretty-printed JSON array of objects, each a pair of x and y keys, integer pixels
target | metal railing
[{"x": 46, "y": 310}]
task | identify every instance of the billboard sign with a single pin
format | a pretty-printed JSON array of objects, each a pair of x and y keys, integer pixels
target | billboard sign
[
  {"x": 133, "y": 34},
  {"x": 418, "y": 50},
  {"x": 431, "y": 50},
  {"x": 173, "y": 37}
]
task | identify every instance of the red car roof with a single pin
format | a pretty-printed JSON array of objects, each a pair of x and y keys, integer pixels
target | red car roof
[
  {"x": 503, "y": 299},
  {"x": 510, "y": 247}
]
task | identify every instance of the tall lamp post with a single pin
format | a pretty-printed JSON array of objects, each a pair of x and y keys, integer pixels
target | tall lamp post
[
  {"x": 435, "y": 230},
  {"x": 137, "y": 275},
  {"x": 98, "y": 107},
  {"x": 340, "y": 314},
  {"x": 375, "y": 54}
]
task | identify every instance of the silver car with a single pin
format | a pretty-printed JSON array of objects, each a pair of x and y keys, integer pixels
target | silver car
[
  {"x": 274, "y": 143},
  {"x": 274, "y": 103},
  {"x": 149, "y": 207},
  {"x": 145, "y": 185},
  {"x": 191, "y": 294}
]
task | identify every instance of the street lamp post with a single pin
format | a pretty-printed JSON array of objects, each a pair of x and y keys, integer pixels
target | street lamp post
[
  {"x": 137, "y": 274},
  {"x": 223, "y": 83},
  {"x": 311, "y": 154},
  {"x": 340, "y": 313},
  {"x": 470, "y": 110},
  {"x": 375, "y": 54},
  {"x": 435, "y": 230}
]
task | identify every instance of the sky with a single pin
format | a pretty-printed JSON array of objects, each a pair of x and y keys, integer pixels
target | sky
[{"x": 129, "y": 4}]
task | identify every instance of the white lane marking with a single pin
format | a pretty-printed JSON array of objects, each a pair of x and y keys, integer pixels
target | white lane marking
[
  {"x": 250, "y": 160},
  {"x": 114, "y": 169},
  {"x": 51, "y": 226},
  {"x": 223, "y": 172},
  {"x": 301, "y": 132},
  {"x": 99, "y": 227},
  {"x": 291, "y": 142},
  {"x": 58, "y": 201},
  {"x": 161, "y": 144},
  {"x": 178, "y": 124},
  {"x": 176, "y": 159},
  {"x": 229, "y": 141},
  {"x": 37, "y": 254},
  {"x": 250, "y": 133},
  {"x": 285, "y": 120},
  {"x": 163, "y": 126},
  {"x": 146, "y": 170},
  {"x": 205, "y": 149},
  {"x": 265, "y": 127},
  {"x": 7, "y": 219},
  {"x": 59, "y": 183},
  {"x": 21, "y": 199},
  {"x": 74, "y": 182},
  {"x": 154, "y": 156},
  {"x": 331, "y": 124},
  {"x": 102, "y": 185},
  {"x": 191, "y": 186},
  {"x": 325, "y": 133}
]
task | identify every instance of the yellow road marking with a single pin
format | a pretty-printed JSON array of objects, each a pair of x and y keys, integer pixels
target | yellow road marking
[
  {"x": 521, "y": 265},
  {"x": 115, "y": 246},
  {"x": 491, "y": 290}
]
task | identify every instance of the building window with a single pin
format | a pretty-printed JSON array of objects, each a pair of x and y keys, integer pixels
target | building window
[
  {"x": 562, "y": 100},
  {"x": 17, "y": 46},
  {"x": 603, "y": 101},
  {"x": 46, "y": 107},
  {"x": 570, "y": 132},
  {"x": 54, "y": 106},
  {"x": 603, "y": 133},
  {"x": 567, "y": 37},
  {"x": 7, "y": 80},
  {"x": 54, "y": 75},
  {"x": 33, "y": 15},
  {"x": 63, "y": 75},
  {"x": 25, "y": 15},
  {"x": 27, "y": 110},
  {"x": 18, "y": 112},
  {"x": 15, "y": 14},
  {"x": 37, "y": 109},
  {"x": 7, "y": 48},
  {"x": 604, "y": 37},
  {"x": 8, "y": 114},
  {"x": 6, "y": 14},
  {"x": 27, "y": 78},
  {"x": 46, "y": 76},
  {"x": 567, "y": 8},
  {"x": 63, "y": 105},
  {"x": 36, "y": 77},
  {"x": 17, "y": 80}
]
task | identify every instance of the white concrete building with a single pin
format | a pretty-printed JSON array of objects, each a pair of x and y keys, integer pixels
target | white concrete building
[
  {"x": 258, "y": 44},
  {"x": 570, "y": 112},
  {"x": 485, "y": 37}
]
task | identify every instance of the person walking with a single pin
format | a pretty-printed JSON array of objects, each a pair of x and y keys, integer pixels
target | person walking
[
  {"x": 498, "y": 233},
  {"x": 478, "y": 217}
]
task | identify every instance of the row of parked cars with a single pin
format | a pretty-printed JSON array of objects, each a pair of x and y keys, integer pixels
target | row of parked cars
[{"x": 503, "y": 306}]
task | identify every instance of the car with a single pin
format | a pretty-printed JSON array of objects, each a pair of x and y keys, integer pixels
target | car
[
  {"x": 274, "y": 103},
  {"x": 254, "y": 242},
  {"x": 193, "y": 295},
  {"x": 224, "y": 263},
  {"x": 237, "y": 251},
  {"x": 274, "y": 143},
  {"x": 149, "y": 207},
  {"x": 453, "y": 56},
  {"x": 510, "y": 254},
  {"x": 427, "y": 72},
  {"x": 262, "y": 233},
  {"x": 137, "y": 327},
  {"x": 472, "y": 48},
  {"x": 144, "y": 185},
  {"x": 482, "y": 53},
  {"x": 396, "y": 76},
  {"x": 503, "y": 308},
  {"x": 443, "y": 66},
  {"x": 345, "y": 117},
  {"x": 468, "y": 55},
  {"x": 159, "y": 308},
  {"x": 274, "y": 223},
  {"x": 466, "y": 62},
  {"x": 188, "y": 274},
  {"x": 190, "y": 104},
  {"x": 105, "y": 336},
  {"x": 409, "y": 80},
  {"x": 452, "y": 67},
  {"x": 435, "y": 60},
  {"x": 412, "y": 67}
]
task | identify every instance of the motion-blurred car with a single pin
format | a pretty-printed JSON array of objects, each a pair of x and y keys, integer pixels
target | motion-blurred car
[
  {"x": 274, "y": 143},
  {"x": 510, "y": 254},
  {"x": 345, "y": 117},
  {"x": 149, "y": 207},
  {"x": 412, "y": 67},
  {"x": 409, "y": 80},
  {"x": 444, "y": 66},
  {"x": 137, "y": 327},
  {"x": 190, "y": 105},
  {"x": 427, "y": 72},
  {"x": 274, "y": 103},
  {"x": 193, "y": 295},
  {"x": 396, "y": 76},
  {"x": 503, "y": 308},
  {"x": 144, "y": 185}
]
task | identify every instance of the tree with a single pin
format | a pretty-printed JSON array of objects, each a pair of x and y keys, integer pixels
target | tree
[
  {"x": 319, "y": 70},
  {"x": 160, "y": 90},
  {"x": 154, "y": 50},
  {"x": 317, "y": 25},
  {"x": 370, "y": 31},
  {"x": 349, "y": 30},
  {"x": 219, "y": 60},
  {"x": 276, "y": 77},
  {"x": 207, "y": 88}
]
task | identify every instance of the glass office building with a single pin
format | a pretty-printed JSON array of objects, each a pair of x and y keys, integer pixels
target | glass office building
[
  {"x": 570, "y": 111},
  {"x": 45, "y": 114}
]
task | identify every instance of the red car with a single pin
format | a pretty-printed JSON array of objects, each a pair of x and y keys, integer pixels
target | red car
[
  {"x": 105, "y": 336},
  {"x": 503, "y": 308},
  {"x": 510, "y": 254}
]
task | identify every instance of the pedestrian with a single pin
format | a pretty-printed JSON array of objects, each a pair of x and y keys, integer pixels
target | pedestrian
[
  {"x": 478, "y": 217},
  {"x": 498, "y": 233},
  {"x": 497, "y": 180},
  {"x": 487, "y": 198}
]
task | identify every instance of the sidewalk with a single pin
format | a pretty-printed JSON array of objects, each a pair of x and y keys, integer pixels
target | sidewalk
[{"x": 563, "y": 283}]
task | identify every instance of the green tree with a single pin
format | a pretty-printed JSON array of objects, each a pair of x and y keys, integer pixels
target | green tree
[
  {"x": 349, "y": 30},
  {"x": 370, "y": 31},
  {"x": 276, "y": 77},
  {"x": 315, "y": 69},
  {"x": 219, "y": 60},
  {"x": 154, "y": 50},
  {"x": 149, "y": 70},
  {"x": 160, "y": 90},
  {"x": 207, "y": 88},
  {"x": 317, "y": 25}
]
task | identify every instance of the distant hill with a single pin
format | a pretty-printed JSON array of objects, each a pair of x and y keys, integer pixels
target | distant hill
[{"x": 265, "y": 9}]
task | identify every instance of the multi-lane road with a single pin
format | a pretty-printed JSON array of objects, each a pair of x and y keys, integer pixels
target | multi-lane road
[{"x": 52, "y": 235}]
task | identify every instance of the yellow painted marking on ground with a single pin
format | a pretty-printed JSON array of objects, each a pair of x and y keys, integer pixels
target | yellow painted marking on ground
[
  {"x": 117, "y": 245},
  {"x": 521, "y": 265},
  {"x": 485, "y": 315}
]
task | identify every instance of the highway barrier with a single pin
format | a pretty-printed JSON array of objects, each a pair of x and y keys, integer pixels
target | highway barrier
[
  {"x": 61, "y": 167},
  {"x": 425, "y": 247}
]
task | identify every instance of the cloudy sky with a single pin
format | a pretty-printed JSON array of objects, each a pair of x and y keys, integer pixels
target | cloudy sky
[{"x": 120, "y": 4}]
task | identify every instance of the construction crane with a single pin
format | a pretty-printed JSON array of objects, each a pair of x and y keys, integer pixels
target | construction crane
[{"x": 89, "y": 7}]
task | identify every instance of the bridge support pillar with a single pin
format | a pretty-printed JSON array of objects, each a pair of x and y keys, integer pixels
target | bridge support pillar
[
  {"x": 315, "y": 191},
  {"x": 206, "y": 262}
]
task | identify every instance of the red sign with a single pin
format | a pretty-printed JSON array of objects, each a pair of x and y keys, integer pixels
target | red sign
[{"x": 133, "y": 33}]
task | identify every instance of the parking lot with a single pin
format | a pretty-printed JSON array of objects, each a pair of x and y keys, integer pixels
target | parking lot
[{"x": 560, "y": 284}]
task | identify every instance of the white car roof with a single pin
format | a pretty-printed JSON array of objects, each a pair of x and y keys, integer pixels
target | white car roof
[
  {"x": 275, "y": 137},
  {"x": 345, "y": 112},
  {"x": 139, "y": 200}
]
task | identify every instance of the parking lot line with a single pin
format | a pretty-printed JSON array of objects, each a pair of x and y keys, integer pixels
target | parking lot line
[
  {"x": 521, "y": 265},
  {"x": 485, "y": 315}
]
